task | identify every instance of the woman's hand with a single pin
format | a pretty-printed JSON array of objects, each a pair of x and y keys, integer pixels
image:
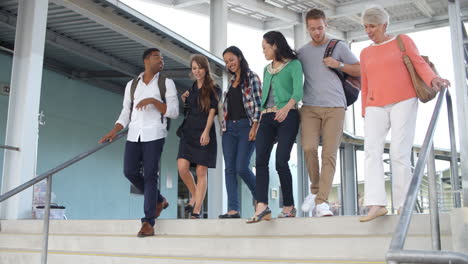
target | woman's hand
[
  {"x": 205, "y": 138},
  {"x": 253, "y": 131},
  {"x": 281, "y": 115},
  {"x": 184, "y": 96},
  {"x": 440, "y": 83}
]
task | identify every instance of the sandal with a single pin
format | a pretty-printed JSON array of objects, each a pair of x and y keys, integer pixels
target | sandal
[
  {"x": 292, "y": 213},
  {"x": 194, "y": 216},
  {"x": 189, "y": 208},
  {"x": 265, "y": 215}
]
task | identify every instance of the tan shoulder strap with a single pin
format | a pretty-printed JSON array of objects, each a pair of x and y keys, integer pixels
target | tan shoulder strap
[{"x": 401, "y": 45}]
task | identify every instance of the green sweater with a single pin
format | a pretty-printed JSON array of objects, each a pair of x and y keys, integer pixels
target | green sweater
[{"x": 287, "y": 84}]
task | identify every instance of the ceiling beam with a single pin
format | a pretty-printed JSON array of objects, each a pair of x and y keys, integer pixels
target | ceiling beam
[
  {"x": 406, "y": 27},
  {"x": 355, "y": 8},
  {"x": 106, "y": 16},
  {"x": 279, "y": 25},
  {"x": 70, "y": 45},
  {"x": 187, "y": 3},
  {"x": 59, "y": 68},
  {"x": 330, "y": 4},
  {"x": 424, "y": 7},
  {"x": 233, "y": 17},
  {"x": 269, "y": 10},
  {"x": 276, "y": 25}
]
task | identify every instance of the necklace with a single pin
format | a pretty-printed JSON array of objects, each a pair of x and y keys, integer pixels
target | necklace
[{"x": 272, "y": 70}]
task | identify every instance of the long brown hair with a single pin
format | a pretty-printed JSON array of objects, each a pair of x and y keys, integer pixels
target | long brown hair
[{"x": 208, "y": 86}]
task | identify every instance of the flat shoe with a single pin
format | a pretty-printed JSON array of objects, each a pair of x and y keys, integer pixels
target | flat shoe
[
  {"x": 380, "y": 212},
  {"x": 265, "y": 215},
  {"x": 229, "y": 216}
]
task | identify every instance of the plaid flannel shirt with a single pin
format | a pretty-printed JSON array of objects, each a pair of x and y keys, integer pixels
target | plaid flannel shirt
[{"x": 251, "y": 97}]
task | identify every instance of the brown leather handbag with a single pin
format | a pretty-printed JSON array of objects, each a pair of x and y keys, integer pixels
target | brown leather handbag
[{"x": 423, "y": 92}]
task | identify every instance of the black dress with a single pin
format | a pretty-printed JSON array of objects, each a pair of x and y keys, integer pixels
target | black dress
[{"x": 189, "y": 145}]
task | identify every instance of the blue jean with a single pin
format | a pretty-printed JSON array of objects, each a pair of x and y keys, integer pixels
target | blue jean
[
  {"x": 141, "y": 167},
  {"x": 285, "y": 133},
  {"x": 237, "y": 150}
]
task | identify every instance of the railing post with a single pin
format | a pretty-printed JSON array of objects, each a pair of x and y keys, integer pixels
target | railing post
[
  {"x": 433, "y": 201},
  {"x": 45, "y": 231},
  {"x": 454, "y": 176}
]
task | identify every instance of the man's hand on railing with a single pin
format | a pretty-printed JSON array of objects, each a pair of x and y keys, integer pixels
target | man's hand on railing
[{"x": 112, "y": 134}]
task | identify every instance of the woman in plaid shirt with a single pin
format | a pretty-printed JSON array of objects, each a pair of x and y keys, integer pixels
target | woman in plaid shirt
[{"x": 241, "y": 114}]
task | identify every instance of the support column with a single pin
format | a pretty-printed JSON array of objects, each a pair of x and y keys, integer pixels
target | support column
[
  {"x": 22, "y": 124},
  {"x": 300, "y": 34},
  {"x": 217, "y": 198},
  {"x": 461, "y": 89},
  {"x": 348, "y": 180},
  {"x": 218, "y": 26}
]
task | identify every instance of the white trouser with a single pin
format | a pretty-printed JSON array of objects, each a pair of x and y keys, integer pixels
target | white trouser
[{"x": 401, "y": 119}]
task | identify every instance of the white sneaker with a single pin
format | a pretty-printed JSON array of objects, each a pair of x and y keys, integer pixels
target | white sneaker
[
  {"x": 309, "y": 203},
  {"x": 323, "y": 209}
]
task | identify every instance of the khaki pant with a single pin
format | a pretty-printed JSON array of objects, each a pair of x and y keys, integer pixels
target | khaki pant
[{"x": 328, "y": 123}]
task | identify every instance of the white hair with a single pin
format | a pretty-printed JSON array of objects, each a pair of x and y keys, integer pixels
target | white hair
[{"x": 376, "y": 15}]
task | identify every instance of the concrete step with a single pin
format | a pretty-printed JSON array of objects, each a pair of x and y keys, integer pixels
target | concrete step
[
  {"x": 54, "y": 257},
  {"x": 342, "y": 225},
  {"x": 320, "y": 247},
  {"x": 298, "y": 240}
]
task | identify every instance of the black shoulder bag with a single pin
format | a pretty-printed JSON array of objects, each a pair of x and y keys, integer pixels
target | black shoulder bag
[{"x": 351, "y": 85}]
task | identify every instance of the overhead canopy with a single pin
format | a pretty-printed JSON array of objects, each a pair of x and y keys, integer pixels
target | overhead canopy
[
  {"x": 344, "y": 15},
  {"x": 102, "y": 41}
]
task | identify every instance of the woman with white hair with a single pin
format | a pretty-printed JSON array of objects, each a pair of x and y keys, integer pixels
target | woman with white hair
[{"x": 389, "y": 102}]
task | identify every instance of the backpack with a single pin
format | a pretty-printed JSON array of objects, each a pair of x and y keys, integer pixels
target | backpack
[
  {"x": 162, "y": 92},
  {"x": 351, "y": 85}
]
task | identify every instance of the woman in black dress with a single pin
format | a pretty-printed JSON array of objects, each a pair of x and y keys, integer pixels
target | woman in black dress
[{"x": 198, "y": 143}]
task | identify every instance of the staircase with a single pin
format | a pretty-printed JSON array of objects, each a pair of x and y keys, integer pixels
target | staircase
[{"x": 301, "y": 240}]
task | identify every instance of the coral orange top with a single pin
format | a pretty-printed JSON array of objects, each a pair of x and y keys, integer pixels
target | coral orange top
[{"x": 384, "y": 77}]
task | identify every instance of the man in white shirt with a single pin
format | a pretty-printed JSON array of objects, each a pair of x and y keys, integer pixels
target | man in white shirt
[{"x": 146, "y": 118}]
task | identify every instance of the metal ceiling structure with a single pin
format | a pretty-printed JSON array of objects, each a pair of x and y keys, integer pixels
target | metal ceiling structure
[
  {"x": 343, "y": 15},
  {"x": 101, "y": 42}
]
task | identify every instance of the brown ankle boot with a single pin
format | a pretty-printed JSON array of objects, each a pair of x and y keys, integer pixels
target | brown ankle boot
[{"x": 146, "y": 230}]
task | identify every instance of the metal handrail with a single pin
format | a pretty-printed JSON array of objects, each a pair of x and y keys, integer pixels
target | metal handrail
[
  {"x": 9, "y": 147},
  {"x": 48, "y": 175},
  {"x": 396, "y": 253}
]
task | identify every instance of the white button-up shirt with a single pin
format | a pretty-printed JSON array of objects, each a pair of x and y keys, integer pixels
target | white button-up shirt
[{"x": 146, "y": 123}]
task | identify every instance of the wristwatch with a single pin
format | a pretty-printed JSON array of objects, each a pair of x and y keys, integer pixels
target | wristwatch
[{"x": 341, "y": 65}]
